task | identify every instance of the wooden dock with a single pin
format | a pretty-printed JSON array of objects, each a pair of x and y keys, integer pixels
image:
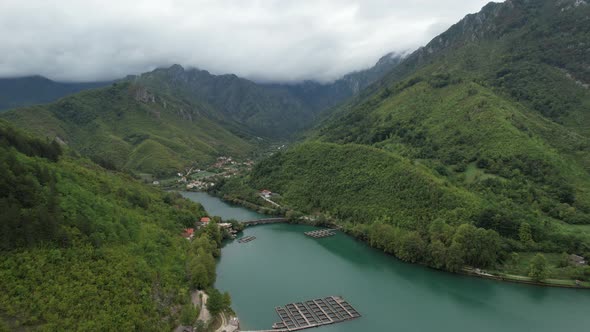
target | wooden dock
[
  {"x": 314, "y": 313},
  {"x": 321, "y": 233},
  {"x": 246, "y": 239}
]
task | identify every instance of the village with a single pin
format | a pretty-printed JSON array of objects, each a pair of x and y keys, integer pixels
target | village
[
  {"x": 223, "y": 168},
  {"x": 201, "y": 179}
]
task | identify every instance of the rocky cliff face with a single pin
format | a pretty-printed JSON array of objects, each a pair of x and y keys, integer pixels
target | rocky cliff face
[{"x": 272, "y": 110}]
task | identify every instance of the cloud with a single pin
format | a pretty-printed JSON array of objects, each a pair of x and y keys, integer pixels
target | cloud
[{"x": 270, "y": 40}]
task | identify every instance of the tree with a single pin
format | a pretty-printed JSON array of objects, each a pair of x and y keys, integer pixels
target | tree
[
  {"x": 215, "y": 302},
  {"x": 513, "y": 259},
  {"x": 538, "y": 269},
  {"x": 524, "y": 233},
  {"x": 411, "y": 248},
  {"x": 214, "y": 233},
  {"x": 188, "y": 314},
  {"x": 198, "y": 274},
  {"x": 564, "y": 260},
  {"x": 438, "y": 254},
  {"x": 479, "y": 247},
  {"x": 439, "y": 230},
  {"x": 455, "y": 259},
  {"x": 226, "y": 300}
]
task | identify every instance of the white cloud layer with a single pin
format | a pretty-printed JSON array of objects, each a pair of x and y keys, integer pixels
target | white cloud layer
[{"x": 272, "y": 40}]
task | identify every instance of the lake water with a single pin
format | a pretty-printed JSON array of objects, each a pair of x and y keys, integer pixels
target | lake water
[
  {"x": 283, "y": 265},
  {"x": 217, "y": 207}
]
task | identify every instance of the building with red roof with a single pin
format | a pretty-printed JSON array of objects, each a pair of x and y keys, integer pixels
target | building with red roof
[{"x": 188, "y": 233}]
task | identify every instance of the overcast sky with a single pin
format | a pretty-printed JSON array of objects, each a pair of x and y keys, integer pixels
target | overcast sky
[{"x": 273, "y": 40}]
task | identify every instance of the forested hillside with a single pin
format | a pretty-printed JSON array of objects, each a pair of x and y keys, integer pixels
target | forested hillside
[
  {"x": 83, "y": 248},
  {"x": 476, "y": 141},
  {"x": 129, "y": 127},
  {"x": 534, "y": 52},
  {"x": 26, "y": 91}
]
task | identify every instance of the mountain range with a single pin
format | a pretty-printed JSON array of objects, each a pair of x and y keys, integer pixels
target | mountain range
[{"x": 163, "y": 120}]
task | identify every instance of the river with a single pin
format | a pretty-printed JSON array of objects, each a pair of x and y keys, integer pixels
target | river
[
  {"x": 217, "y": 207},
  {"x": 283, "y": 265}
]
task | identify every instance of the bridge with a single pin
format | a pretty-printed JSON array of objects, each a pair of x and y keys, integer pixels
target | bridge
[{"x": 265, "y": 221}]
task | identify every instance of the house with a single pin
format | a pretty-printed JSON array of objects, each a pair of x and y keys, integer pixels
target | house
[
  {"x": 188, "y": 233},
  {"x": 205, "y": 220},
  {"x": 224, "y": 225},
  {"x": 266, "y": 193},
  {"x": 577, "y": 260}
]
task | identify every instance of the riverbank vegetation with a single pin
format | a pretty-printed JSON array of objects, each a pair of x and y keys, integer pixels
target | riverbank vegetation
[
  {"x": 84, "y": 248},
  {"x": 403, "y": 208}
]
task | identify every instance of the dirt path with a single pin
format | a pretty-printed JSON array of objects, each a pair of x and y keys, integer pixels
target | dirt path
[
  {"x": 204, "y": 314},
  {"x": 195, "y": 299}
]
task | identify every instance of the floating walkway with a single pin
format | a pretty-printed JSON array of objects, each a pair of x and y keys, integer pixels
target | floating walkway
[
  {"x": 314, "y": 313},
  {"x": 246, "y": 239},
  {"x": 320, "y": 233}
]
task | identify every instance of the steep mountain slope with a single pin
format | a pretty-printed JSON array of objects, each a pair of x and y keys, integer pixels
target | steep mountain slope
[
  {"x": 534, "y": 52},
  {"x": 126, "y": 126},
  {"x": 493, "y": 110},
  {"x": 233, "y": 101},
  {"x": 82, "y": 248},
  {"x": 268, "y": 110},
  {"x": 26, "y": 91},
  {"x": 321, "y": 97}
]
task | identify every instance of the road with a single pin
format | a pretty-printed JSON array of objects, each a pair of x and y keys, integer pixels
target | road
[{"x": 268, "y": 200}]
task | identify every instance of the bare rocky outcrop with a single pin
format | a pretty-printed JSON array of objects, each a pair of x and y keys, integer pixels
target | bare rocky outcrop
[{"x": 143, "y": 95}]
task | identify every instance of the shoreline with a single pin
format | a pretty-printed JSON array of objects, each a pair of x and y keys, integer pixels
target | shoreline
[
  {"x": 515, "y": 279},
  {"x": 466, "y": 271}
]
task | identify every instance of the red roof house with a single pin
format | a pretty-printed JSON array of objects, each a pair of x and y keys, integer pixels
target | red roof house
[
  {"x": 205, "y": 219},
  {"x": 188, "y": 233}
]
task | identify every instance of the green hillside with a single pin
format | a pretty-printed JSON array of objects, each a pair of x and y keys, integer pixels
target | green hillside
[
  {"x": 361, "y": 184},
  {"x": 533, "y": 52},
  {"x": 128, "y": 127},
  {"x": 83, "y": 248},
  {"x": 476, "y": 141}
]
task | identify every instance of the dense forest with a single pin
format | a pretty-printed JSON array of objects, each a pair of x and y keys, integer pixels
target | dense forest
[
  {"x": 473, "y": 151},
  {"x": 84, "y": 248},
  {"x": 408, "y": 210}
]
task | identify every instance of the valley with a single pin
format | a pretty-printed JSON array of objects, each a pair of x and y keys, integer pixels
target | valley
[{"x": 452, "y": 181}]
